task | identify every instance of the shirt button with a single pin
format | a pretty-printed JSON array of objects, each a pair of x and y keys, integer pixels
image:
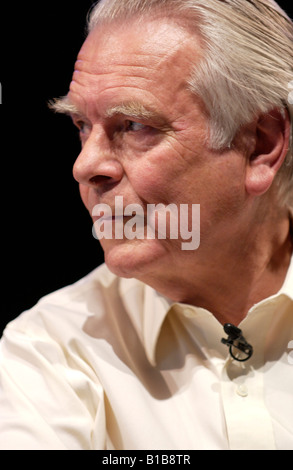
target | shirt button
[
  {"x": 189, "y": 312},
  {"x": 242, "y": 390}
]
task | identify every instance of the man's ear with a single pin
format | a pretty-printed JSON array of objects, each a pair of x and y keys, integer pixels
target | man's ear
[{"x": 272, "y": 135}]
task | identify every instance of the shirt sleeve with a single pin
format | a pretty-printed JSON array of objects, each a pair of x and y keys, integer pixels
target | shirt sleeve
[{"x": 48, "y": 401}]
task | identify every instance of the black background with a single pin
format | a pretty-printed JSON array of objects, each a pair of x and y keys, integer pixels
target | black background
[{"x": 46, "y": 240}]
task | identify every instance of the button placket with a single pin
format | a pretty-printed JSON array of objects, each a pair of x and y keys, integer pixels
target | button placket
[
  {"x": 248, "y": 422},
  {"x": 242, "y": 390}
]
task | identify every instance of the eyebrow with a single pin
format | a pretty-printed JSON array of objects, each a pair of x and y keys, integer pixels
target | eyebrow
[
  {"x": 63, "y": 105},
  {"x": 133, "y": 109}
]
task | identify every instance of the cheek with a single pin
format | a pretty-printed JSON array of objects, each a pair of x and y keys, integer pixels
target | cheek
[
  {"x": 157, "y": 179},
  {"x": 147, "y": 183}
]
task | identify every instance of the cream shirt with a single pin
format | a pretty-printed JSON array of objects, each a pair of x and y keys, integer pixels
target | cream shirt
[{"x": 108, "y": 363}]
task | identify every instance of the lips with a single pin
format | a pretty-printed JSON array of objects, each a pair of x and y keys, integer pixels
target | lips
[{"x": 112, "y": 218}]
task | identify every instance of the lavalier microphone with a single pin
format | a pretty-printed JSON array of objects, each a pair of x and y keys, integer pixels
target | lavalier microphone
[{"x": 239, "y": 348}]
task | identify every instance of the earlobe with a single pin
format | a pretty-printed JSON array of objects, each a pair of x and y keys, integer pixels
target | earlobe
[{"x": 272, "y": 133}]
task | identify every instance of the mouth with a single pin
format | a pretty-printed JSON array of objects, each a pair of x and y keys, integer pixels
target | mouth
[
  {"x": 118, "y": 227},
  {"x": 113, "y": 218}
]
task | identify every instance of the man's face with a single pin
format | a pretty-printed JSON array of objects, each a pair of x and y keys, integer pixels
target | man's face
[{"x": 144, "y": 137}]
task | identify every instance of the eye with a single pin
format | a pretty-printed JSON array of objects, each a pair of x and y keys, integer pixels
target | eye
[
  {"x": 132, "y": 126},
  {"x": 83, "y": 127}
]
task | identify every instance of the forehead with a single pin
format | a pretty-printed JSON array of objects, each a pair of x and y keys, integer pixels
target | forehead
[
  {"x": 152, "y": 40},
  {"x": 151, "y": 56}
]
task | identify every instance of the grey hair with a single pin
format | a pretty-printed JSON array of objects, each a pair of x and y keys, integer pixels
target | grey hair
[{"x": 247, "y": 67}]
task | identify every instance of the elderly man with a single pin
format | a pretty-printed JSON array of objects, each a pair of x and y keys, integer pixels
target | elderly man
[{"x": 181, "y": 105}]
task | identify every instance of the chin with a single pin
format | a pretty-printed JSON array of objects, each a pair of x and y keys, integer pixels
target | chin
[{"x": 133, "y": 259}]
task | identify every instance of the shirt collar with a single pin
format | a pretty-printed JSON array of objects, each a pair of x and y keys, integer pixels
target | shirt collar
[
  {"x": 148, "y": 309},
  {"x": 156, "y": 308}
]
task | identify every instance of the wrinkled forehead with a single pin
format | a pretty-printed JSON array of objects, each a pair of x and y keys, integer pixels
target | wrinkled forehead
[
  {"x": 149, "y": 42},
  {"x": 149, "y": 63}
]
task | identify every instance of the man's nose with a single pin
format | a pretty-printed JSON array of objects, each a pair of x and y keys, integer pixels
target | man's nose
[{"x": 97, "y": 165}]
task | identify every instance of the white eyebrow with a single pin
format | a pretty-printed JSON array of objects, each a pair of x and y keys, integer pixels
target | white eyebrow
[
  {"x": 133, "y": 109},
  {"x": 63, "y": 105}
]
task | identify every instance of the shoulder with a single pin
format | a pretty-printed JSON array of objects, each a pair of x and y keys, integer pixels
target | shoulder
[
  {"x": 59, "y": 317},
  {"x": 68, "y": 304},
  {"x": 63, "y": 316}
]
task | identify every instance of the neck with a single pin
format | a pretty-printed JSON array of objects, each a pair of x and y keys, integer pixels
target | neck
[{"x": 236, "y": 278}]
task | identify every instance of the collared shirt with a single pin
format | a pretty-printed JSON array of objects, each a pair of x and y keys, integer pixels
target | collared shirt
[{"x": 109, "y": 363}]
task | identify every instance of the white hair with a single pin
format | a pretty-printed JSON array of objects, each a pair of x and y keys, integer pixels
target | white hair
[{"x": 247, "y": 67}]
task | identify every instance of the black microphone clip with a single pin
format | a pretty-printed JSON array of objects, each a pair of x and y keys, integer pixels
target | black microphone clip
[{"x": 237, "y": 343}]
